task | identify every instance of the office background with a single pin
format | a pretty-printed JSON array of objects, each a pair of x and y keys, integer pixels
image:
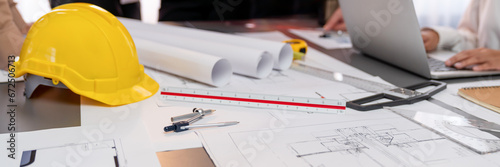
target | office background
[{"x": 429, "y": 12}]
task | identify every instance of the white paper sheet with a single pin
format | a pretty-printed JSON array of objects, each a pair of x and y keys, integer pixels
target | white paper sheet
[
  {"x": 245, "y": 61},
  {"x": 289, "y": 82},
  {"x": 167, "y": 141},
  {"x": 450, "y": 96},
  {"x": 333, "y": 42},
  {"x": 313, "y": 56},
  {"x": 369, "y": 139},
  {"x": 267, "y": 35},
  {"x": 99, "y": 124},
  {"x": 282, "y": 53},
  {"x": 190, "y": 64},
  {"x": 102, "y": 153},
  {"x": 456, "y": 128},
  {"x": 4, "y": 77},
  {"x": 294, "y": 83}
]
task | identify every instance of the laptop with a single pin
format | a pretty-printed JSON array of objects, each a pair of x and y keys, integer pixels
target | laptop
[{"x": 388, "y": 30}]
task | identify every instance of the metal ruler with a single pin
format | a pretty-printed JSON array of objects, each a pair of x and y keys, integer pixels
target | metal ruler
[
  {"x": 465, "y": 130},
  {"x": 398, "y": 95},
  {"x": 254, "y": 100}
]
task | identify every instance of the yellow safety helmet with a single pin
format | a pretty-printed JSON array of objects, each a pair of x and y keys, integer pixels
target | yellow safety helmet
[{"x": 88, "y": 50}]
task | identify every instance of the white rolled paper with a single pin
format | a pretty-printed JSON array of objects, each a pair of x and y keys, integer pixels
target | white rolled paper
[
  {"x": 245, "y": 61},
  {"x": 282, "y": 52},
  {"x": 201, "y": 67}
]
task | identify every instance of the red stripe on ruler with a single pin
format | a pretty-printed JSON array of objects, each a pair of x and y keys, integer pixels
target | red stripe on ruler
[{"x": 255, "y": 100}]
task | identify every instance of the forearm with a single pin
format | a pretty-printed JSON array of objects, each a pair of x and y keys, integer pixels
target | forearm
[
  {"x": 455, "y": 40},
  {"x": 17, "y": 18},
  {"x": 11, "y": 39}
]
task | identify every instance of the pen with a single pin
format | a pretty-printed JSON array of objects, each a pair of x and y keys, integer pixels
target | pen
[
  {"x": 219, "y": 124},
  {"x": 184, "y": 125},
  {"x": 327, "y": 34}
]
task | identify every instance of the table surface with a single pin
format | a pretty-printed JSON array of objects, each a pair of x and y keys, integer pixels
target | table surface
[{"x": 390, "y": 73}]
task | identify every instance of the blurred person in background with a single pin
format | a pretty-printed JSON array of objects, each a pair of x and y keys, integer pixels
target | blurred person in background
[
  {"x": 181, "y": 10},
  {"x": 184, "y": 10},
  {"x": 477, "y": 38},
  {"x": 123, "y": 8},
  {"x": 12, "y": 28},
  {"x": 12, "y": 25}
]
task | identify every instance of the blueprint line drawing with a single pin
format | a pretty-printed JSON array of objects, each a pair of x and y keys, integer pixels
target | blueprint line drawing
[
  {"x": 369, "y": 142},
  {"x": 101, "y": 153},
  {"x": 360, "y": 140}
]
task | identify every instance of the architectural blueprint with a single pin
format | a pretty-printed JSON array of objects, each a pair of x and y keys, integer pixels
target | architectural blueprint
[{"x": 372, "y": 139}]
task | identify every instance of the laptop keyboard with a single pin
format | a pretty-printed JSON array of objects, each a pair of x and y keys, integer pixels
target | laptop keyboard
[{"x": 438, "y": 65}]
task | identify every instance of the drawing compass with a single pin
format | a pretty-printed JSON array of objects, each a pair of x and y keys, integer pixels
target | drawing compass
[{"x": 198, "y": 113}]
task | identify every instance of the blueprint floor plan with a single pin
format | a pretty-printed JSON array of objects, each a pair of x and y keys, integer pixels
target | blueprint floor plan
[
  {"x": 381, "y": 139},
  {"x": 373, "y": 144}
]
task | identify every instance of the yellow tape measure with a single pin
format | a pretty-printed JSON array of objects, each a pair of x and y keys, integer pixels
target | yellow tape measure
[{"x": 299, "y": 48}]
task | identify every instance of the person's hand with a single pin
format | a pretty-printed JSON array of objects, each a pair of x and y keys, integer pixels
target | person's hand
[
  {"x": 431, "y": 39},
  {"x": 482, "y": 59},
  {"x": 336, "y": 21}
]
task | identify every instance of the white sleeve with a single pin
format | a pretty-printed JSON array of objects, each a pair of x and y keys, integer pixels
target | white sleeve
[
  {"x": 150, "y": 11},
  {"x": 465, "y": 37},
  {"x": 456, "y": 40}
]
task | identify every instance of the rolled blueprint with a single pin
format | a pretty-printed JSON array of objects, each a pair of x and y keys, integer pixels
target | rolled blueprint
[
  {"x": 245, "y": 61},
  {"x": 201, "y": 67},
  {"x": 282, "y": 53}
]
